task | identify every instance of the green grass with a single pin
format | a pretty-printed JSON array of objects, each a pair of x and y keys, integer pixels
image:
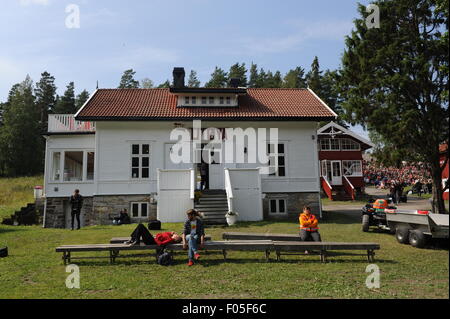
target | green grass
[
  {"x": 16, "y": 193},
  {"x": 35, "y": 270}
]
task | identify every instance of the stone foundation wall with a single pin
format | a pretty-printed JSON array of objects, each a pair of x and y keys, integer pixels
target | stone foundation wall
[
  {"x": 294, "y": 203},
  {"x": 55, "y": 216},
  {"x": 104, "y": 206}
]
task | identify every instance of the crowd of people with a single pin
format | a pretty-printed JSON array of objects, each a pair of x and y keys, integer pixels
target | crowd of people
[{"x": 396, "y": 179}]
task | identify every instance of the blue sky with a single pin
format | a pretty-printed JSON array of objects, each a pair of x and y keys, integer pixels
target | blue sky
[{"x": 154, "y": 36}]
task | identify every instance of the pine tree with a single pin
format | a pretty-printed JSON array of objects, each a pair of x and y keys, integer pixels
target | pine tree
[
  {"x": 295, "y": 79},
  {"x": 393, "y": 79},
  {"x": 127, "y": 81},
  {"x": 45, "y": 98},
  {"x": 314, "y": 75},
  {"x": 81, "y": 99},
  {"x": 164, "y": 85},
  {"x": 21, "y": 142},
  {"x": 146, "y": 83},
  {"x": 252, "y": 82},
  {"x": 219, "y": 79},
  {"x": 262, "y": 79},
  {"x": 193, "y": 81},
  {"x": 240, "y": 72},
  {"x": 66, "y": 103}
]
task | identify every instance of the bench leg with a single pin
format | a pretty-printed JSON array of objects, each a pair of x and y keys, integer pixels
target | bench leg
[
  {"x": 267, "y": 255},
  {"x": 224, "y": 252},
  {"x": 278, "y": 255},
  {"x": 323, "y": 256},
  {"x": 64, "y": 258},
  {"x": 370, "y": 255}
]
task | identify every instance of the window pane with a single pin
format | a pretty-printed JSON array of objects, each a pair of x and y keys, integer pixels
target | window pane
[
  {"x": 281, "y": 160},
  {"x": 135, "y": 172},
  {"x": 228, "y": 100},
  {"x": 135, "y": 162},
  {"x": 273, "y": 206},
  {"x": 145, "y": 173},
  {"x": 271, "y": 148},
  {"x": 194, "y": 100},
  {"x": 281, "y": 171},
  {"x": 56, "y": 170},
  {"x": 73, "y": 166},
  {"x": 282, "y": 204},
  {"x": 203, "y": 99},
  {"x": 145, "y": 162},
  {"x": 90, "y": 165},
  {"x": 144, "y": 207},
  {"x": 135, "y": 149},
  {"x": 135, "y": 210},
  {"x": 221, "y": 100},
  {"x": 186, "y": 100},
  {"x": 281, "y": 148},
  {"x": 145, "y": 149},
  {"x": 335, "y": 144},
  {"x": 211, "y": 100}
]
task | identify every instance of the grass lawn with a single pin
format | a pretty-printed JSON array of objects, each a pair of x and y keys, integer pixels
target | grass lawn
[
  {"x": 35, "y": 270},
  {"x": 16, "y": 193}
]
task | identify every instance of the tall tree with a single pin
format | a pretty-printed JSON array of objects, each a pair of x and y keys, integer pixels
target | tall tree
[
  {"x": 164, "y": 85},
  {"x": 127, "y": 81},
  {"x": 21, "y": 141},
  {"x": 81, "y": 99},
  {"x": 219, "y": 79},
  {"x": 262, "y": 79},
  {"x": 393, "y": 80},
  {"x": 253, "y": 79},
  {"x": 66, "y": 103},
  {"x": 273, "y": 80},
  {"x": 45, "y": 97},
  {"x": 193, "y": 81},
  {"x": 238, "y": 71},
  {"x": 314, "y": 75},
  {"x": 295, "y": 78},
  {"x": 146, "y": 83},
  {"x": 330, "y": 93}
]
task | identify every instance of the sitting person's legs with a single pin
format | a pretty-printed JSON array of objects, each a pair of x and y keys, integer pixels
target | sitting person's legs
[
  {"x": 304, "y": 235},
  {"x": 192, "y": 243},
  {"x": 142, "y": 232},
  {"x": 315, "y": 235}
]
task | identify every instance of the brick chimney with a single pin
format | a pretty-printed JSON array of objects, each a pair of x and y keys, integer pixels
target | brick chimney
[{"x": 178, "y": 77}]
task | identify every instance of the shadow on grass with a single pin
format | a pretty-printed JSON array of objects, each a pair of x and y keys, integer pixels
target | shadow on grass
[{"x": 10, "y": 229}]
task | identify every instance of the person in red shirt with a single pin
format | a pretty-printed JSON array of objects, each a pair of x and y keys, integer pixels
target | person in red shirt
[{"x": 142, "y": 233}]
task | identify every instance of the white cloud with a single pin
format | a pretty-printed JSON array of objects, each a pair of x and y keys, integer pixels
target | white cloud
[{"x": 25, "y": 3}]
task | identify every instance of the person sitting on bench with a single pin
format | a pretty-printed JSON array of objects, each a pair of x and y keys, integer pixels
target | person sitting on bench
[
  {"x": 309, "y": 230},
  {"x": 161, "y": 239},
  {"x": 194, "y": 233}
]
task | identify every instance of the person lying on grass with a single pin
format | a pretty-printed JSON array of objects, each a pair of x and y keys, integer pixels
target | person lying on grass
[
  {"x": 161, "y": 239},
  {"x": 194, "y": 234}
]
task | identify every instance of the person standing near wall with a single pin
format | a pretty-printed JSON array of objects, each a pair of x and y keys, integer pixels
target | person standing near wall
[{"x": 76, "y": 202}]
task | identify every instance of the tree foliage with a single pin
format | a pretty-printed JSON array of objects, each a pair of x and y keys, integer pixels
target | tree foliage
[
  {"x": 193, "y": 81},
  {"x": 394, "y": 79},
  {"x": 66, "y": 103},
  {"x": 219, "y": 79},
  {"x": 127, "y": 81}
]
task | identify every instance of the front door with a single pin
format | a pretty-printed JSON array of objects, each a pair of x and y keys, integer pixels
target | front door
[
  {"x": 216, "y": 170},
  {"x": 336, "y": 173}
]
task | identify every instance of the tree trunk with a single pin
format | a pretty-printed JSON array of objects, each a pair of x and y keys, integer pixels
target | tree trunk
[{"x": 438, "y": 205}]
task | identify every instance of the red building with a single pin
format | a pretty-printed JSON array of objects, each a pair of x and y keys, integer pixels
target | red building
[
  {"x": 443, "y": 159},
  {"x": 341, "y": 162}
]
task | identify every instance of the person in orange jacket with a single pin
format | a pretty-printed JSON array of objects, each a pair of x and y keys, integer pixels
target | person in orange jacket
[{"x": 309, "y": 230}]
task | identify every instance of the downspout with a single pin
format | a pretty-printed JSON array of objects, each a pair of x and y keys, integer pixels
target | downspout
[{"x": 45, "y": 181}]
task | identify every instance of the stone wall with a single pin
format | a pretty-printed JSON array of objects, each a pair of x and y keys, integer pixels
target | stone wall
[
  {"x": 56, "y": 213},
  {"x": 294, "y": 202}
]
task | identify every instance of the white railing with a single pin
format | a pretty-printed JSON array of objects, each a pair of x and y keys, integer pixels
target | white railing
[
  {"x": 192, "y": 190},
  {"x": 228, "y": 190},
  {"x": 67, "y": 123}
]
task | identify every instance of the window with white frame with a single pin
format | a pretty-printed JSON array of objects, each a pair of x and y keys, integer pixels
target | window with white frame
[
  {"x": 140, "y": 160},
  {"x": 139, "y": 209},
  {"x": 186, "y": 100},
  {"x": 72, "y": 166},
  {"x": 352, "y": 168},
  {"x": 334, "y": 144},
  {"x": 277, "y": 159},
  {"x": 194, "y": 99},
  {"x": 221, "y": 100},
  {"x": 325, "y": 144},
  {"x": 277, "y": 206},
  {"x": 204, "y": 99},
  {"x": 211, "y": 100},
  {"x": 228, "y": 100},
  {"x": 349, "y": 145}
]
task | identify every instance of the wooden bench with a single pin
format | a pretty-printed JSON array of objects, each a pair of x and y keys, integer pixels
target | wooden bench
[
  {"x": 114, "y": 249},
  {"x": 324, "y": 247},
  {"x": 121, "y": 240},
  {"x": 261, "y": 236}
]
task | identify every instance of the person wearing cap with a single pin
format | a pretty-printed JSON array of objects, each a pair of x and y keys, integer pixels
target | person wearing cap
[
  {"x": 309, "y": 229},
  {"x": 193, "y": 235}
]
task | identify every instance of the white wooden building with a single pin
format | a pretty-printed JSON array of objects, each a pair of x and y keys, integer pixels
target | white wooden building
[{"x": 116, "y": 151}]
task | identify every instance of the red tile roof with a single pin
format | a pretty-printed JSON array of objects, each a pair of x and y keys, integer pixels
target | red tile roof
[{"x": 160, "y": 104}]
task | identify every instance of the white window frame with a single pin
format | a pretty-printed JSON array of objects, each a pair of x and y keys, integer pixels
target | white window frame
[
  {"x": 61, "y": 180},
  {"x": 186, "y": 100},
  {"x": 211, "y": 100},
  {"x": 352, "y": 142},
  {"x": 139, "y": 209},
  {"x": 140, "y": 156},
  {"x": 276, "y": 174},
  {"x": 204, "y": 100},
  {"x": 343, "y": 168},
  {"x": 277, "y": 212}
]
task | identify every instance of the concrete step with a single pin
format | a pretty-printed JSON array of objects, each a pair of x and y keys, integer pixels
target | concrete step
[{"x": 200, "y": 206}]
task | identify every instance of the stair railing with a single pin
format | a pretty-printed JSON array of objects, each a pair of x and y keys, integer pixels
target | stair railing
[
  {"x": 327, "y": 187},
  {"x": 349, "y": 188},
  {"x": 192, "y": 188},
  {"x": 228, "y": 190}
]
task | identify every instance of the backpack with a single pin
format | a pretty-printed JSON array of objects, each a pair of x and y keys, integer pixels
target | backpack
[{"x": 165, "y": 259}]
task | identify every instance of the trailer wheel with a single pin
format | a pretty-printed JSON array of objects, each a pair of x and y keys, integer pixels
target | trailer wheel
[
  {"x": 417, "y": 238},
  {"x": 365, "y": 223},
  {"x": 392, "y": 228},
  {"x": 402, "y": 234}
]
